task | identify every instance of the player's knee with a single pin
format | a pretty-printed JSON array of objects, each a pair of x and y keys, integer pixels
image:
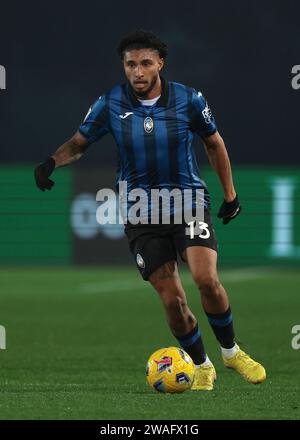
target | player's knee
[
  {"x": 209, "y": 285},
  {"x": 165, "y": 287}
]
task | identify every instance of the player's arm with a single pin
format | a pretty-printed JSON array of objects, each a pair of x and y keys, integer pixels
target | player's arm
[
  {"x": 219, "y": 160},
  {"x": 67, "y": 153},
  {"x": 203, "y": 122},
  {"x": 71, "y": 150},
  {"x": 94, "y": 127}
]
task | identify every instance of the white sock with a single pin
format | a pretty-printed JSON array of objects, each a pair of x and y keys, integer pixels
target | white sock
[
  {"x": 230, "y": 352},
  {"x": 206, "y": 363}
]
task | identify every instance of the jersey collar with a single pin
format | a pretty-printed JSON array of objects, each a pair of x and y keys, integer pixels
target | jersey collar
[{"x": 163, "y": 100}]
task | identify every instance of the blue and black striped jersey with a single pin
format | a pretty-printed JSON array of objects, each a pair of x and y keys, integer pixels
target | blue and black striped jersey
[{"x": 154, "y": 142}]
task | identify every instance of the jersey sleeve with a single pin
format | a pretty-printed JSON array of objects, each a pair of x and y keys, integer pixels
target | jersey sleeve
[
  {"x": 202, "y": 120},
  {"x": 95, "y": 124}
]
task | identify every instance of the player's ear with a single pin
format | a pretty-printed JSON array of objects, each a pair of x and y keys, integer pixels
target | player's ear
[{"x": 161, "y": 63}]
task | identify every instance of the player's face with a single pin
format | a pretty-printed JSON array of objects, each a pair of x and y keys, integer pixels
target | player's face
[{"x": 142, "y": 67}]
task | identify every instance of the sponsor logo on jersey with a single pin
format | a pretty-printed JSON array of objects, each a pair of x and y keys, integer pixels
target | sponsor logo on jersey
[{"x": 126, "y": 115}]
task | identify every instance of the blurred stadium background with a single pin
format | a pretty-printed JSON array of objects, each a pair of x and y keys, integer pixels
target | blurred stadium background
[{"x": 80, "y": 322}]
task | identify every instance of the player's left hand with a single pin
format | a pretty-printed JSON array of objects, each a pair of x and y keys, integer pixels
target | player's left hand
[{"x": 229, "y": 210}]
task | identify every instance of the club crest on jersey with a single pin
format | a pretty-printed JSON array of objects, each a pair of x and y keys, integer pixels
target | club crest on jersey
[
  {"x": 140, "y": 261},
  {"x": 148, "y": 124}
]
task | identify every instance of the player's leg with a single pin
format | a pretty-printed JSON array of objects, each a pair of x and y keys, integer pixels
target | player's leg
[
  {"x": 155, "y": 256},
  {"x": 202, "y": 262},
  {"x": 166, "y": 282},
  {"x": 182, "y": 322}
]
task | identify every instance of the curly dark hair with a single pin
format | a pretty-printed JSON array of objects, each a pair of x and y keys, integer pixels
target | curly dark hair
[{"x": 141, "y": 39}]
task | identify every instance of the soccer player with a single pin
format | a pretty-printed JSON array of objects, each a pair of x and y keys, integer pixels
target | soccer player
[{"x": 153, "y": 122}]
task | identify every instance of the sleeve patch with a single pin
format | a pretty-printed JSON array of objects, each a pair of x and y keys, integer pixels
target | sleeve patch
[{"x": 207, "y": 114}]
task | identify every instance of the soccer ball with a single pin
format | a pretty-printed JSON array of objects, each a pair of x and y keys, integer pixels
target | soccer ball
[{"x": 170, "y": 370}]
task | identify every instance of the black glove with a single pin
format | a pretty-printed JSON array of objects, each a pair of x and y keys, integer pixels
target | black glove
[
  {"x": 42, "y": 172},
  {"x": 229, "y": 210}
]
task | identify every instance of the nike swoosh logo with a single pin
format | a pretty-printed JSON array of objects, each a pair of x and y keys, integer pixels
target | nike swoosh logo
[{"x": 126, "y": 115}]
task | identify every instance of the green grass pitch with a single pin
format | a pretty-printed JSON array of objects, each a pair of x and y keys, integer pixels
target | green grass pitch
[{"x": 78, "y": 341}]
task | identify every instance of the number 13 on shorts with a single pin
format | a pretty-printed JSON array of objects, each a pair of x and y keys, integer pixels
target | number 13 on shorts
[{"x": 203, "y": 228}]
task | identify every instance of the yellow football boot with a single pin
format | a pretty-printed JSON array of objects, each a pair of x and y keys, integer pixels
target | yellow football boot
[
  {"x": 251, "y": 370},
  {"x": 204, "y": 378}
]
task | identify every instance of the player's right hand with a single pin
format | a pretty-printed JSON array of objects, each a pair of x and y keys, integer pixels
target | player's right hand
[{"x": 42, "y": 173}]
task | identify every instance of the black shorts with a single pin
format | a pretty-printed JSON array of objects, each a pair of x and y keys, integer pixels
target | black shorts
[{"x": 154, "y": 245}]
